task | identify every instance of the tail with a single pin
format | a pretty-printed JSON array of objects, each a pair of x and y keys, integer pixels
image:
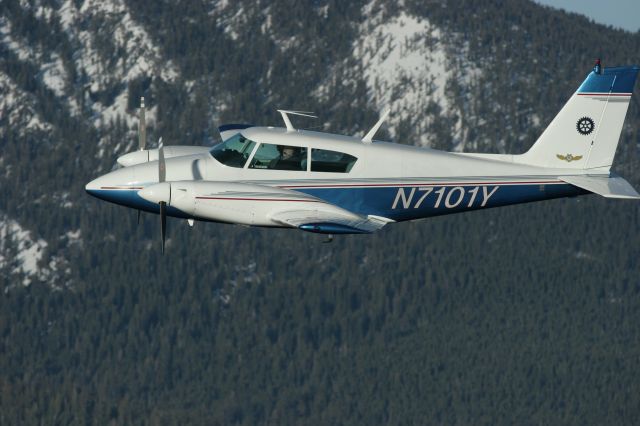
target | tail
[{"x": 585, "y": 133}]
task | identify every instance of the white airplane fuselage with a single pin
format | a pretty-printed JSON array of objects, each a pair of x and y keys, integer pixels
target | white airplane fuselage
[
  {"x": 397, "y": 182},
  {"x": 320, "y": 182}
]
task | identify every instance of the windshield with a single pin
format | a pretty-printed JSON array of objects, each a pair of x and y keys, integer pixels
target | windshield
[{"x": 234, "y": 152}]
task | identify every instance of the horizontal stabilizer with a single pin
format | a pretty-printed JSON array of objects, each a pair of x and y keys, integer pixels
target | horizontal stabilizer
[{"x": 609, "y": 187}]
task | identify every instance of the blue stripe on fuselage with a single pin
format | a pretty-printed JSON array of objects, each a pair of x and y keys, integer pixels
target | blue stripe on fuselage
[
  {"x": 416, "y": 202},
  {"x": 130, "y": 198}
]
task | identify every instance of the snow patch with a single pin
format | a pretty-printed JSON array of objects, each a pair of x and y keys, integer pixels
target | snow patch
[
  {"x": 404, "y": 48},
  {"x": 407, "y": 66},
  {"x": 21, "y": 50},
  {"x": 44, "y": 13},
  {"x": 112, "y": 25},
  {"x": 404, "y": 65},
  {"x": 117, "y": 109},
  {"x": 17, "y": 105},
  {"x": 73, "y": 237},
  {"x": 54, "y": 75},
  {"x": 63, "y": 199},
  {"x": 22, "y": 255},
  {"x": 19, "y": 250}
]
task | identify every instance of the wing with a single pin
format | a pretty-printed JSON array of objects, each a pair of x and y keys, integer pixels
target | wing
[
  {"x": 247, "y": 203},
  {"x": 330, "y": 219},
  {"x": 312, "y": 214}
]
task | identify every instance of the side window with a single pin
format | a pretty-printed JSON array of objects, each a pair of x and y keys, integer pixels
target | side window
[
  {"x": 323, "y": 160},
  {"x": 234, "y": 152},
  {"x": 279, "y": 157}
]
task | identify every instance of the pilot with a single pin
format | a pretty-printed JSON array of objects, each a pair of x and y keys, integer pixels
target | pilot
[{"x": 289, "y": 159}]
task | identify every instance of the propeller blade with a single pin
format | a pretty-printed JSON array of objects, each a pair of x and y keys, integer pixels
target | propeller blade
[
  {"x": 162, "y": 176},
  {"x": 142, "y": 128},
  {"x": 163, "y": 222},
  {"x": 162, "y": 166},
  {"x": 139, "y": 212}
]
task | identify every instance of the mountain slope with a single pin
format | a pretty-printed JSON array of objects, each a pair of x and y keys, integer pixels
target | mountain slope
[{"x": 515, "y": 315}]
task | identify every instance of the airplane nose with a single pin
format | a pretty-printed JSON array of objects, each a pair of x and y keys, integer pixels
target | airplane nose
[
  {"x": 117, "y": 179},
  {"x": 96, "y": 185},
  {"x": 92, "y": 186}
]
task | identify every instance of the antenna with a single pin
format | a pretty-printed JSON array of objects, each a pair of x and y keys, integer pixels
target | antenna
[
  {"x": 287, "y": 121},
  {"x": 142, "y": 128},
  {"x": 598, "y": 67},
  {"x": 369, "y": 136}
]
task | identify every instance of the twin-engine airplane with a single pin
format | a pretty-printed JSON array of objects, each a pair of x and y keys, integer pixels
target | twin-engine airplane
[{"x": 332, "y": 184}]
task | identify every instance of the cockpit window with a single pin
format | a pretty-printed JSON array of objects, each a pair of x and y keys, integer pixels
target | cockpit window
[
  {"x": 279, "y": 157},
  {"x": 323, "y": 160},
  {"x": 234, "y": 152}
]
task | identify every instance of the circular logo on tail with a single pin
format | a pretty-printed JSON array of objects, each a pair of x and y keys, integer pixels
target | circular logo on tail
[{"x": 585, "y": 125}]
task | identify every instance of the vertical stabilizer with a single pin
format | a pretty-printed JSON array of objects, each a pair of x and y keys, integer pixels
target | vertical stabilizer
[{"x": 585, "y": 133}]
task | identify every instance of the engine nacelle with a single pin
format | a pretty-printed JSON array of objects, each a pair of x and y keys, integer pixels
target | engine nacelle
[{"x": 146, "y": 155}]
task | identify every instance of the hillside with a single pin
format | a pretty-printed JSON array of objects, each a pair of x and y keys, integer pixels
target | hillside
[{"x": 527, "y": 314}]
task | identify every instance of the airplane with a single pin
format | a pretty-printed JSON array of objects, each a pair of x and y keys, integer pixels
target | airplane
[{"x": 334, "y": 184}]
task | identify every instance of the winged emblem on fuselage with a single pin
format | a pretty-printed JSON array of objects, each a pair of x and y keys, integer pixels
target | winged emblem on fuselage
[{"x": 569, "y": 157}]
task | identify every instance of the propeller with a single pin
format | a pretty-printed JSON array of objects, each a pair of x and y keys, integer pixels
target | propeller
[
  {"x": 160, "y": 192},
  {"x": 162, "y": 176},
  {"x": 142, "y": 137},
  {"x": 163, "y": 222},
  {"x": 162, "y": 170},
  {"x": 142, "y": 128}
]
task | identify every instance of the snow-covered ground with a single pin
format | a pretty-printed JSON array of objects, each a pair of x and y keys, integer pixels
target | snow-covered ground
[
  {"x": 22, "y": 50},
  {"x": 112, "y": 29},
  {"x": 17, "y": 104},
  {"x": 406, "y": 68},
  {"x": 25, "y": 253},
  {"x": 142, "y": 57},
  {"x": 96, "y": 31},
  {"x": 22, "y": 254},
  {"x": 403, "y": 61},
  {"x": 54, "y": 75}
]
